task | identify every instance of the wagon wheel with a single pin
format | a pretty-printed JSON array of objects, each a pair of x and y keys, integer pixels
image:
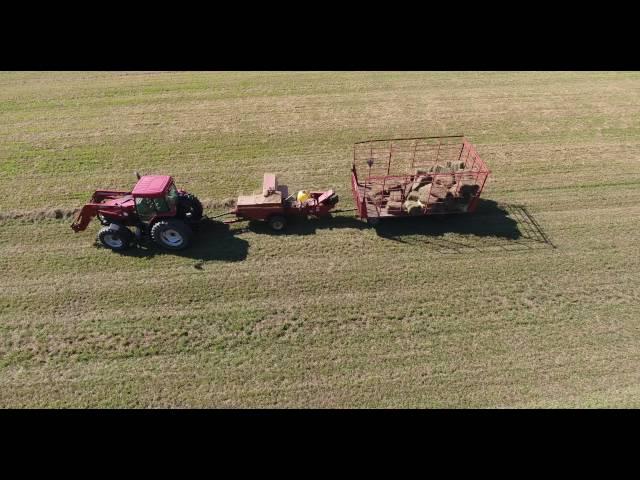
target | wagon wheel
[{"x": 277, "y": 223}]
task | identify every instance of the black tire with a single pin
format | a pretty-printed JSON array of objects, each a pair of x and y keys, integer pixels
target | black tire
[
  {"x": 277, "y": 223},
  {"x": 103, "y": 221},
  {"x": 116, "y": 240},
  {"x": 171, "y": 234},
  {"x": 189, "y": 207},
  {"x": 332, "y": 200},
  {"x": 373, "y": 221}
]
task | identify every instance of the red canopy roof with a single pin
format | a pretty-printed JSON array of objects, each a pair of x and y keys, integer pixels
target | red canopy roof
[{"x": 151, "y": 185}]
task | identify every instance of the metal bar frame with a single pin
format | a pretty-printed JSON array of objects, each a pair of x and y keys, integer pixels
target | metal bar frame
[{"x": 476, "y": 172}]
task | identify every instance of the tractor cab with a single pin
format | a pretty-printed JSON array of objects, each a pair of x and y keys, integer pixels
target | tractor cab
[{"x": 155, "y": 196}]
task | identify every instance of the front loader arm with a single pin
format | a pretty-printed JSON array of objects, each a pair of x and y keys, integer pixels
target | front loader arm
[
  {"x": 85, "y": 216},
  {"x": 100, "y": 195},
  {"x": 92, "y": 208}
]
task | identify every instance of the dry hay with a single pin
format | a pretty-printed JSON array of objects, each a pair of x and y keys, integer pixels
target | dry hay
[
  {"x": 393, "y": 184},
  {"x": 413, "y": 196},
  {"x": 395, "y": 196},
  {"x": 394, "y": 207},
  {"x": 375, "y": 194},
  {"x": 416, "y": 184},
  {"x": 424, "y": 193},
  {"x": 438, "y": 191},
  {"x": 42, "y": 214},
  {"x": 225, "y": 202},
  {"x": 413, "y": 207},
  {"x": 446, "y": 180}
]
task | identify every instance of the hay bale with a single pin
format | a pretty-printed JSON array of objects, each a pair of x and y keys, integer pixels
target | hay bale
[
  {"x": 394, "y": 207},
  {"x": 413, "y": 207},
  {"x": 375, "y": 188},
  {"x": 393, "y": 184},
  {"x": 420, "y": 182},
  {"x": 424, "y": 193},
  {"x": 374, "y": 194},
  {"x": 395, "y": 196},
  {"x": 438, "y": 191},
  {"x": 446, "y": 180},
  {"x": 443, "y": 169},
  {"x": 413, "y": 196}
]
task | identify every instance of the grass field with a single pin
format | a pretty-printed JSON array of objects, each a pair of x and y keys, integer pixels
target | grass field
[{"x": 533, "y": 302}]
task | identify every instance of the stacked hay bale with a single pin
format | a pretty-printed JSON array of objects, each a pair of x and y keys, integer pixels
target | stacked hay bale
[
  {"x": 394, "y": 206},
  {"x": 395, "y": 196},
  {"x": 393, "y": 184},
  {"x": 438, "y": 191},
  {"x": 413, "y": 207},
  {"x": 424, "y": 193},
  {"x": 375, "y": 194}
]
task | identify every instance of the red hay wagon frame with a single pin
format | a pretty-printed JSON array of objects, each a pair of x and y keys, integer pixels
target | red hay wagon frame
[{"x": 416, "y": 176}]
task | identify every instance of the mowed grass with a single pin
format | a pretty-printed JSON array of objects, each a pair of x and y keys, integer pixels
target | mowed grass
[{"x": 533, "y": 302}]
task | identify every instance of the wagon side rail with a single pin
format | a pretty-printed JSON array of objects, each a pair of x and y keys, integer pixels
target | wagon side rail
[
  {"x": 359, "y": 201},
  {"x": 477, "y": 168}
]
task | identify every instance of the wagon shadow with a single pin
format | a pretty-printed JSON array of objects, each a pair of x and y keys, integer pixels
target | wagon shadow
[
  {"x": 493, "y": 226},
  {"x": 212, "y": 241}
]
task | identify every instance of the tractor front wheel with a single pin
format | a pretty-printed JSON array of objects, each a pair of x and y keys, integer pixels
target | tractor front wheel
[
  {"x": 171, "y": 234},
  {"x": 117, "y": 239},
  {"x": 277, "y": 223}
]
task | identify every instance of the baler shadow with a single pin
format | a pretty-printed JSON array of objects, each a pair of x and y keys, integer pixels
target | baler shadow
[
  {"x": 306, "y": 226},
  {"x": 212, "y": 241}
]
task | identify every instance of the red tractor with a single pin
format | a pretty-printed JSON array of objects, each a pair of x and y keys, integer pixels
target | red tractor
[{"x": 154, "y": 208}]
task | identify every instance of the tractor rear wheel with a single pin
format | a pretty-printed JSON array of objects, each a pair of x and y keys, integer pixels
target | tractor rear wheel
[
  {"x": 171, "y": 234},
  {"x": 277, "y": 223},
  {"x": 117, "y": 240},
  {"x": 189, "y": 207}
]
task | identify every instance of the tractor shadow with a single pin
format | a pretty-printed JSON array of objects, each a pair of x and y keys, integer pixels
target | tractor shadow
[
  {"x": 212, "y": 241},
  {"x": 493, "y": 226}
]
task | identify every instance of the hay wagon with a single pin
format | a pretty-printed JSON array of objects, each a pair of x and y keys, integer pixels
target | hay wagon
[{"x": 416, "y": 177}]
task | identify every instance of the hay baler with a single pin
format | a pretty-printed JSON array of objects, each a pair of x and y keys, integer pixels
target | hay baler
[{"x": 275, "y": 206}]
